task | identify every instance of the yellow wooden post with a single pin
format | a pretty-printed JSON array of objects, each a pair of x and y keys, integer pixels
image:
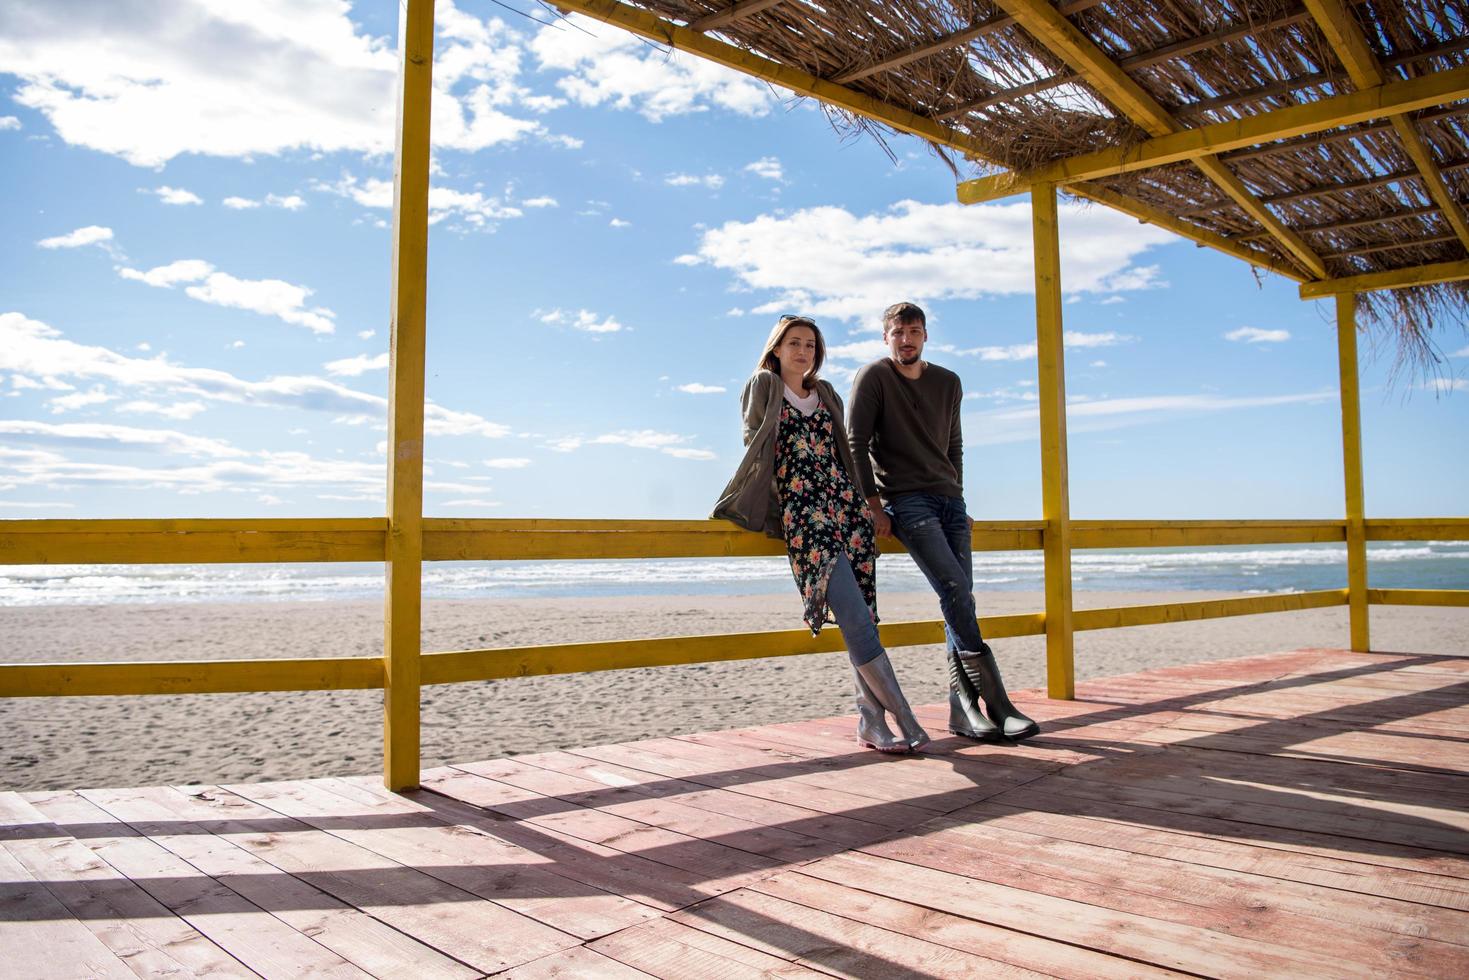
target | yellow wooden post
[
  {"x": 402, "y": 613},
  {"x": 1351, "y": 444},
  {"x": 1051, "y": 369}
]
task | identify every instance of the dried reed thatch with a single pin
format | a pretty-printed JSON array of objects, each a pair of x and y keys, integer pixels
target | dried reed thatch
[{"x": 1353, "y": 193}]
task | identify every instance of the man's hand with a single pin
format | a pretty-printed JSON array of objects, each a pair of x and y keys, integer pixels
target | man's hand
[{"x": 882, "y": 524}]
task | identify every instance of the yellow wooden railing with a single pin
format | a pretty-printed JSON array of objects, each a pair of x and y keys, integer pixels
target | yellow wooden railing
[{"x": 32, "y": 542}]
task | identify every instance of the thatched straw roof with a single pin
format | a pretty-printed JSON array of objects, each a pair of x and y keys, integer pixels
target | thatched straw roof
[{"x": 1356, "y": 198}]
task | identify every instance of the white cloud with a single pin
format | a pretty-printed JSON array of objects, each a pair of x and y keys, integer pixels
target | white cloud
[
  {"x": 9, "y": 122},
  {"x": 1442, "y": 386},
  {"x": 80, "y": 399},
  {"x": 470, "y": 503},
  {"x": 1254, "y": 335},
  {"x": 830, "y": 262},
  {"x": 580, "y": 320},
  {"x": 859, "y": 350},
  {"x": 767, "y": 167},
  {"x": 473, "y": 209},
  {"x": 711, "y": 181},
  {"x": 608, "y": 66},
  {"x": 1070, "y": 339},
  {"x": 1098, "y": 364},
  {"x": 1021, "y": 424},
  {"x": 366, "y": 334},
  {"x": 540, "y": 202},
  {"x": 619, "y": 223},
  {"x": 290, "y": 202},
  {"x": 96, "y": 435},
  {"x": 239, "y": 203},
  {"x": 178, "y": 410},
  {"x": 151, "y": 81},
  {"x": 89, "y": 235},
  {"x": 175, "y": 195},
  {"x": 268, "y": 297},
  {"x": 695, "y": 388},
  {"x": 687, "y": 260},
  {"x": 669, "y": 443},
  {"x": 507, "y": 463},
  {"x": 353, "y": 366},
  {"x": 34, "y": 349}
]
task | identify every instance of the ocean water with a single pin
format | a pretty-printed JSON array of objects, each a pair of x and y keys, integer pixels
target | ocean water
[{"x": 1249, "y": 568}]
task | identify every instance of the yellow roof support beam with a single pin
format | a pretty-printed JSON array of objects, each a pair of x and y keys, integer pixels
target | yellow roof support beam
[
  {"x": 655, "y": 28},
  {"x": 1346, "y": 40},
  {"x": 1049, "y": 26},
  {"x": 1234, "y": 134},
  {"x": 1162, "y": 219},
  {"x": 1418, "y": 275}
]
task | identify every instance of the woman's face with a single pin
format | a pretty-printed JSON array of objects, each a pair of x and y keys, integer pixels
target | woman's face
[{"x": 797, "y": 350}]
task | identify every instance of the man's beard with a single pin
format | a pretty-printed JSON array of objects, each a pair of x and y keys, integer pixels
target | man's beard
[{"x": 909, "y": 361}]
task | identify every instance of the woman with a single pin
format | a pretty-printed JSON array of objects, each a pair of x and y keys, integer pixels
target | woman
[{"x": 795, "y": 483}]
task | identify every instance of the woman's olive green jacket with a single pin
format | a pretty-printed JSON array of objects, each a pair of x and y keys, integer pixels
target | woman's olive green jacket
[{"x": 751, "y": 499}]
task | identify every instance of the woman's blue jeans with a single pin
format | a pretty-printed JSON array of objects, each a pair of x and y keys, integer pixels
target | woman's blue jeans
[
  {"x": 844, "y": 599},
  {"x": 935, "y": 530}
]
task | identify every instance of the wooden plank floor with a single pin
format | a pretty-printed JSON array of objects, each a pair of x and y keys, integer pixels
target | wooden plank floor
[{"x": 1298, "y": 814}]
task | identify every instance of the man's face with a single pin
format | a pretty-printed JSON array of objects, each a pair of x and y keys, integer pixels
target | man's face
[{"x": 905, "y": 340}]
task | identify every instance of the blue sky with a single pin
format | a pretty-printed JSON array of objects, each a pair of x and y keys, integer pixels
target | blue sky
[{"x": 194, "y": 300}]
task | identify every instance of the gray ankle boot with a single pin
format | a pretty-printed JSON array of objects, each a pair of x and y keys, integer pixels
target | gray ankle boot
[
  {"x": 872, "y": 727},
  {"x": 965, "y": 717},
  {"x": 982, "y": 672},
  {"x": 878, "y": 678}
]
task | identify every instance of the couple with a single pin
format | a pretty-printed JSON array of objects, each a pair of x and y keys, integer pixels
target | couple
[{"x": 821, "y": 487}]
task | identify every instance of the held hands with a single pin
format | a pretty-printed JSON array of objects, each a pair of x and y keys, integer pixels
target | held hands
[{"x": 882, "y": 524}]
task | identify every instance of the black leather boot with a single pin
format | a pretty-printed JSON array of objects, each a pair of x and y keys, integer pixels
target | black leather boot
[
  {"x": 965, "y": 717},
  {"x": 982, "y": 672}
]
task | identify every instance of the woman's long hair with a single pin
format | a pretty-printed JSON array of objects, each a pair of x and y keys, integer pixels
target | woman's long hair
[{"x": 770, "y": 362}]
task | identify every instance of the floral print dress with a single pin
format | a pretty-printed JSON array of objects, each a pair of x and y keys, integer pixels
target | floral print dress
[{"x": 821, "y": 513}]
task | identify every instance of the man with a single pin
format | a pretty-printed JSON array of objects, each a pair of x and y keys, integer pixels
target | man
[{"x": 903, "y": 422}]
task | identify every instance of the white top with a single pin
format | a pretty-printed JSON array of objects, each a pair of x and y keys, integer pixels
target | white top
[{"x": 805, "y": 405}]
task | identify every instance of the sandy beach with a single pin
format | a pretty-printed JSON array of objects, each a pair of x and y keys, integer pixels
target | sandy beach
[{"x": 116, "y": 741}]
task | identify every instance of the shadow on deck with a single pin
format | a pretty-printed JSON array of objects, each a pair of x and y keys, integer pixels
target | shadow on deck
[{"x": 1302, "y": 813}]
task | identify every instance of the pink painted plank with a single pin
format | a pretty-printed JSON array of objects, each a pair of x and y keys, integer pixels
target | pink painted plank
[
  {"x": 362, "y": 812},
  {"x": 465, "y": 927},
  {"x": 673, "y": 951},
  {"x": 40, "y": 939},
  {"x": 128, "y": 921},
  {"x": 658, "y": 885},
  {"x": 812, "y": 823},
  {"x": 1139, "y": 831},
  {"x": 731, "y": 831},
  {"x": 902, "y": 911},
  {"x": 717, "y": 866},
  {"x": 353, "y": 935},
  {"x": 247, "y": 932},
  {"x": 1278, "y": 827},
  {"x": 1165, "y": 944},
  {"x": 835, "y": 944},
  {"x": 579, "y": 962},
  {"x": 755, "y": 774},
  {"x": 1384, "y": 933}
]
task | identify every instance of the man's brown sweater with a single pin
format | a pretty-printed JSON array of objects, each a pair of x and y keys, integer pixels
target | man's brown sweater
[{"x": 905, "y": 433}]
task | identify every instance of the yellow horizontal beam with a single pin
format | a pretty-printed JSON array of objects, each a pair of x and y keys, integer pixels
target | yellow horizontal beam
[
  {"x": 1187, "y": 612},
  {"x": 106, "y": 542},
  {"x": 1418, "y": 529},
  {"x": 1174, "y": 534},
  {"x": 461, "y": 540},
  {"x": 1418, "y": 597},
  {"x": 1162, "y": 219},
  {"x": 571, "y": 658},
  {"x": 1418, "y": 275},
  {"x": 654, "y": 28},
  {"x": 190, "y": 677},
  {"x": 1312, "y": 117}
]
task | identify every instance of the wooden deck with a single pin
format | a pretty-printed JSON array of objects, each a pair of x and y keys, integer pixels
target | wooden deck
[{"x": 1299, "y": 814}]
